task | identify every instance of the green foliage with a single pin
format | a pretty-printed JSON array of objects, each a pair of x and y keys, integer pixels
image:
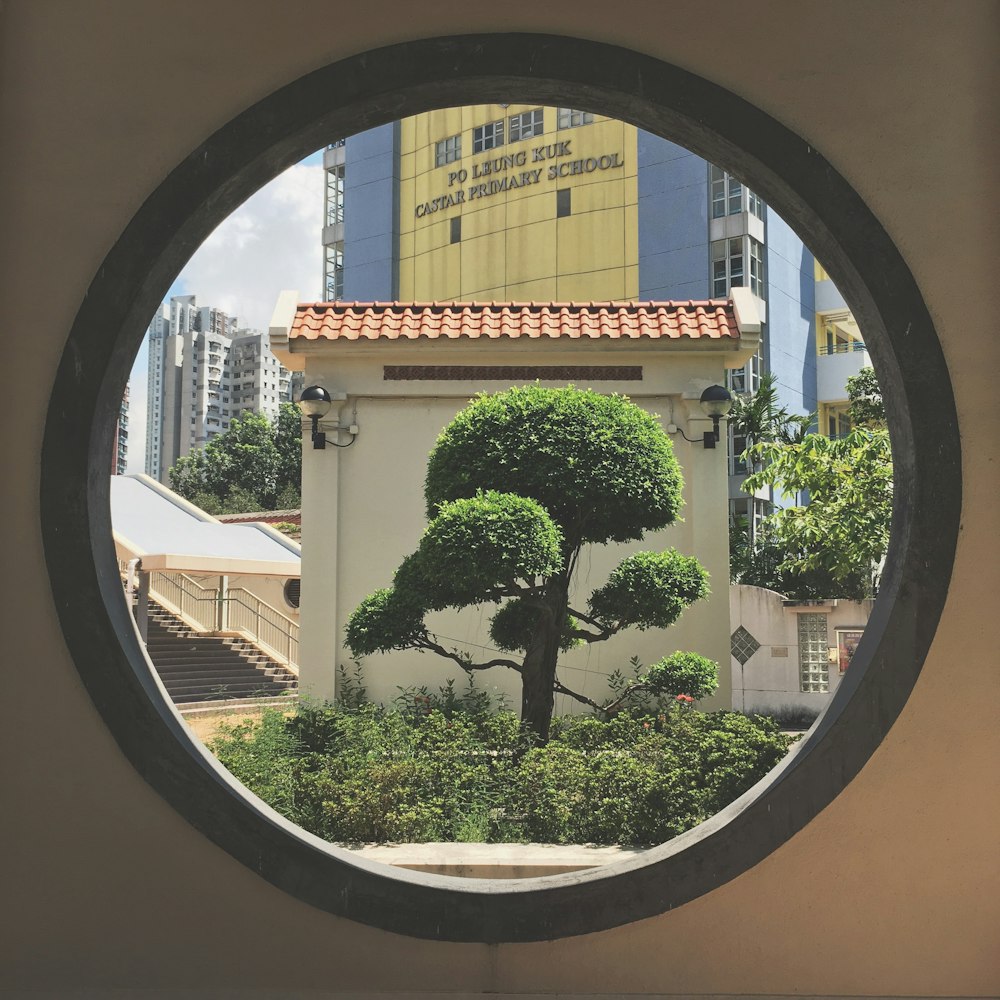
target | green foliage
[
  {"x": 470, "y": 549},
  {"x": 261, "y": 755},
  {"x": 832, "y": 546},
  {"x": 387, "y": 619},
  {"x": 351, "y": 690},
  {"x": 254, "y": 465},
  {"x": 683, "y": 674},
  {"x": 512, "y": 627},
  {"x": 477, "y": 544},
  {"x": 757, "y": 416},
  {"x": 432, "y": 773},
  {"x": 649, "y": 590},
  {"x": 287, "y": 434},
  {"x": 867, "y": 408},
  {"x": 414, "y": 702},
  {"x": 602, "y": 467},
  {"x": 764, "y": 562},
  {"x": 844, "y": 529},
  {"x": 680, "y": 678}
]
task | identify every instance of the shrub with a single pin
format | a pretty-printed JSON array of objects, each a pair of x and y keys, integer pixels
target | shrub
[
  {"x": 443, "y": 767},
  {"x": 793, "y": 716}
]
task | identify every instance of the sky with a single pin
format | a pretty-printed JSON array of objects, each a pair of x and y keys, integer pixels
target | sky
[{"x": 270, "y": 243}]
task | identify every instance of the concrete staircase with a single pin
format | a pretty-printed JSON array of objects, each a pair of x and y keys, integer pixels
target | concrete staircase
[{"x": 196, "y": 667}]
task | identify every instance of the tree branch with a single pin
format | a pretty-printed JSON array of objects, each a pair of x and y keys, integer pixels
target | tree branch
[
  {"x": 628, "y": 690},
  {"x": 561, "y": 688},
  {"x": 608, "y": 708},
  {"x": 425, "y": 642},
  {"x": 604, "y": 631},
  {"x": 588, "y": 637}
]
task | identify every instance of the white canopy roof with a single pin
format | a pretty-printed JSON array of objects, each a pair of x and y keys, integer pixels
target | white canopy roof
[{"x": 170, "y": 534}]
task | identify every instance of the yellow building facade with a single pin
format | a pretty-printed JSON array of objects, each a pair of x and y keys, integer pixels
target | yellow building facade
[
  {"x": 517, "y": 203},
  {"x": 840, "y": 354}
]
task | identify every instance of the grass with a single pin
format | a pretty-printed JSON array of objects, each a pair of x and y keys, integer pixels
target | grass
[{"x": 205, "y": 726}]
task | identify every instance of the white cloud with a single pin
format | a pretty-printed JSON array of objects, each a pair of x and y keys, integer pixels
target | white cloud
[{"x": 270, "y": 243}]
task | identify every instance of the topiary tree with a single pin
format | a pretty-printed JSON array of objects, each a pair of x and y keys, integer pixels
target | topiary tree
[{"x": 517, "y": 484}]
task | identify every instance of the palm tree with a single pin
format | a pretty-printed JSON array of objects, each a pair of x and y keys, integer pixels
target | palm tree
[{"x": 757, "y": 417}]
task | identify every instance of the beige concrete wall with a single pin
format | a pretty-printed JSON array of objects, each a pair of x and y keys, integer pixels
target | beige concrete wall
[
  {"x": 890, "y": 891},
  {"x": 770, "y": 680},
  {"x": 363, "y": 511}
]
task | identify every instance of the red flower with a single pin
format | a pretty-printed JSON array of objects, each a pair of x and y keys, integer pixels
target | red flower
[{"x": 685, "y": 699}]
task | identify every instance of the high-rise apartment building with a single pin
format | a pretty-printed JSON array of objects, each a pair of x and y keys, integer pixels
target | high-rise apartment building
[
  {"x": 119, "y": 448},
  {"x": 204, "y": 371},
  {"x": 520, "y": 203}
]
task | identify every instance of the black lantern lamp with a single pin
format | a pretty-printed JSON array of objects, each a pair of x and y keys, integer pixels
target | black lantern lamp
[
  {"x": 716, "y": 402},
  {"x": 315, "y": 404}
]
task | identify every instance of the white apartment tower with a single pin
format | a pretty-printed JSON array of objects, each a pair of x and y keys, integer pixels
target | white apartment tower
[{"x": 203, "y": 372}]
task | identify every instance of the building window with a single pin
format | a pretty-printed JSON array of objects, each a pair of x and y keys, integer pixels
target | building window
[
  {"x": 448, "y": 150},
  {"x": 737, "y": 445},
  {"x": 456, "y": 229},
  {"x": 570, "y": 118},
  {"x": 748, "y": 513},
  {"x": 719, "y": 180},
  {"x": 487, "y": 136},
  {"x": 745, "y": 379},
  {"x": 756, "y": 268},
  {"x": 735, "y": 197},
  {"x": 730, "y": 197},
  {"x": 526, "y": 125},
  {"x": 335, "y": 195},
  {"x": 334, "y": 284},
  {"x": 727, "y": 266},
  {"x": 814, "y": 669},
  {"x": 835, "y": 419},
  {"x": 564, "y": 205}
]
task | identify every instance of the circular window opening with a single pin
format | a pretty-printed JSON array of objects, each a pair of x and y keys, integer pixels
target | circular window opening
[
  {"x": 404, "y": 80},
  {"x": 293, "y": 591}
]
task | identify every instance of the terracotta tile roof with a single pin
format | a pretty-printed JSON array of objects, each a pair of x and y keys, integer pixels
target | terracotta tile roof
[{"x": 356, "y": 321}]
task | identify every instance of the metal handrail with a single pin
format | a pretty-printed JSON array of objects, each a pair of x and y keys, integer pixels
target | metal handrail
[
  {"x": 268, "y": 626},
  {"x": 188, "y": 599},
  {"x": 239, "y": 611}
]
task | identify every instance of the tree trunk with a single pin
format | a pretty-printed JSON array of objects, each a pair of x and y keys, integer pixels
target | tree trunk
[{"x": 538, "y": 674}]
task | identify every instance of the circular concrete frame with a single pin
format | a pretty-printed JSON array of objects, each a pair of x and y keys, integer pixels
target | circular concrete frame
[{"x": 381, "y": 86}]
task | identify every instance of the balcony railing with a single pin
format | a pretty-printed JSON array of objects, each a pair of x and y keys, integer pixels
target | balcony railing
[{"x": 855, "y": 346}]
